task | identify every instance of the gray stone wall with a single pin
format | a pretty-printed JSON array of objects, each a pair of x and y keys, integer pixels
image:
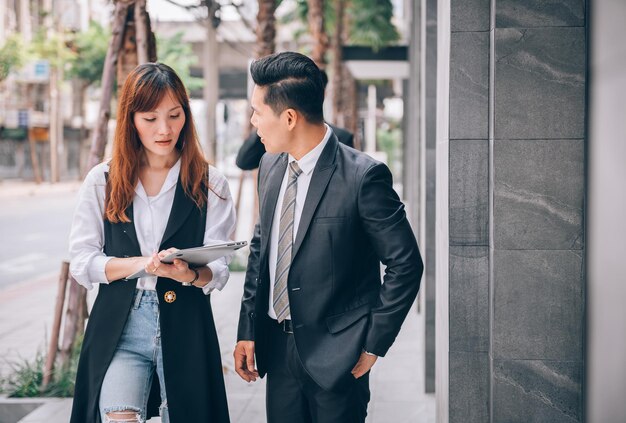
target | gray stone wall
[
  {"x": 538, "y": 201},
  {"x": 516, "y": 194},
  {"x": 469, "y": 211}
]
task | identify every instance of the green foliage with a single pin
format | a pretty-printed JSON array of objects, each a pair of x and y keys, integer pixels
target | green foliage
[
  {"x": 26, "y": 377},
  {"x": 389, "y": 140},
  {"x": 91, "y": 49},
  {"x": 371, "y": 23},
  {"x": 11, "y": 56},
  {"x": 179, "y": 55},
  {"x": 51, "y": 47},
  {"x": 239, "y": 263}
]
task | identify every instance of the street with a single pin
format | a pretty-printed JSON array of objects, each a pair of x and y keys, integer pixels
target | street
[{"x": 34, "y": 231}]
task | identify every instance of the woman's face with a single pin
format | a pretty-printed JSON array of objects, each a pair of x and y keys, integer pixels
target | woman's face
[{"x": 159, "y": 129}]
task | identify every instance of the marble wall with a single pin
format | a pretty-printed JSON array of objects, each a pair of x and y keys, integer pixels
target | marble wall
[{"x": 517, "y": 105}]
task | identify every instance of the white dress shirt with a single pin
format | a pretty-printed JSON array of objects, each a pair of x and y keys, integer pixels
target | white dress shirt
[
  {"x": 307, "y": 164},
  {"x": 150, "y": 216}
]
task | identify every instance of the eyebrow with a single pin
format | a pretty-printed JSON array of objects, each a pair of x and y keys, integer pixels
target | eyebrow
[{"x": 155, "y": 111}]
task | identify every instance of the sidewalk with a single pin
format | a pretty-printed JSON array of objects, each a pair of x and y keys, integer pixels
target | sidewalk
[
  {"x": 11, "y": 188},
  {"x": 397, "y": 380}
]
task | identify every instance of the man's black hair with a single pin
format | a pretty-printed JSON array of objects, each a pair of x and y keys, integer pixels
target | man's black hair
[{"x": 292, "y": 81}]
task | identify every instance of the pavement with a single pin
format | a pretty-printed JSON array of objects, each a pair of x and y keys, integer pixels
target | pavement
[{"x": 26, "y": 312}]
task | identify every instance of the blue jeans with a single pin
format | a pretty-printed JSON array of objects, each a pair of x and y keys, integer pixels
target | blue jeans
[{"x": 127, "y": 382}]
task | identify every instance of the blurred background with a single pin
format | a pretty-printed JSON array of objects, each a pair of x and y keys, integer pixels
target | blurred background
[{"x": 502, "y": 122}]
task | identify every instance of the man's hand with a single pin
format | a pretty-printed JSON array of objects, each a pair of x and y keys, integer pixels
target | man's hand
[
  {"x": 244, "y": 361},
  {"x": 365, "y": 363}
]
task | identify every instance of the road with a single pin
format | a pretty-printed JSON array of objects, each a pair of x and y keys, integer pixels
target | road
[{"x": 34, "y": 234}]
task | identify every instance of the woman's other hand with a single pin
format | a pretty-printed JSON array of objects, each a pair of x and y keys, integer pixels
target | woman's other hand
[{"x": 178, "y": 270}]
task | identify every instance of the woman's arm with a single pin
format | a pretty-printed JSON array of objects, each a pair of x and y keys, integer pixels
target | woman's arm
[
  {"x": 88, "y": 263},
  {"x": 220, "y": 227}
]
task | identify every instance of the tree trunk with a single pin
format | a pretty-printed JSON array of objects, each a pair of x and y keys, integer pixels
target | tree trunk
[
  {"x": 98, "y": 143},
  {"x": 266, "y": 28},
  {"x": 140, "y": 16},
  {"x": 318, "y": 32},
  {"x": 129, "y": 56},
  {"x": 337, "y": 64},
  {"x": 74, "y": 320}
]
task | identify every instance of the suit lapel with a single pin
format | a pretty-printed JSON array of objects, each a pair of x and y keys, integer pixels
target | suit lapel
[
  {"x": 180, "y": 210},
  {"x": 128, "y": 228},
  {"x": 319, "y": 181},
  {"x": 268, "y": 201}
]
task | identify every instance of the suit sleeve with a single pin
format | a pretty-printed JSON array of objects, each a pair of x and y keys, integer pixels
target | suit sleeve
[
  {"x": 245, "y": 331},
  {"x": 247, "y": 316},
  {"x": 384, "y": 220},
  {"x": 250, "y": 153}
]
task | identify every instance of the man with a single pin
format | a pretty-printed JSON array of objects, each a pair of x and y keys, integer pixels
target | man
[
  {"x": 314, "y": 311},
  {"x": 252, "y": 149}
]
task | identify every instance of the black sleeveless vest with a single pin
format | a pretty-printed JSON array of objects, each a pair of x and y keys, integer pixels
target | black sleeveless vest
[{"x": 191, "y": 358}]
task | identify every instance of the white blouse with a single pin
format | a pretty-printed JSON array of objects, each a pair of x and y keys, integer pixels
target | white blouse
[{"x": 150, "y": 215}]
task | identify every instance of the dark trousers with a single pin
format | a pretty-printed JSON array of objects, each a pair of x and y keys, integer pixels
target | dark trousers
[{"x": 293, "y": 397}]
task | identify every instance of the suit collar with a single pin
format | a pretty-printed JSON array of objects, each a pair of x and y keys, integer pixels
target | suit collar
[
  {"x": 322, "y": 173},
  {"x": 268, "y": 201}
]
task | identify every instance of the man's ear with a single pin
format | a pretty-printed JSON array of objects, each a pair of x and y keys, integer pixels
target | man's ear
[{"x": 291, "y": 116}]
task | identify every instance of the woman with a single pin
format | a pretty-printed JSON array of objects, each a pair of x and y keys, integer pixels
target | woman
[{"x": 156, "y": 193}]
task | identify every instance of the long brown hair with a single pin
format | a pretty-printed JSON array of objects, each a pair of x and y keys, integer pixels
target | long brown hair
[{"x": 143, "y": 90}]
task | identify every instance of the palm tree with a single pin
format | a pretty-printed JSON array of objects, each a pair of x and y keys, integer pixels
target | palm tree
[
  {"x": 316, "y": 17},
  {"x": 266, "y": 28},
  {"x": 356, "y": 22}
]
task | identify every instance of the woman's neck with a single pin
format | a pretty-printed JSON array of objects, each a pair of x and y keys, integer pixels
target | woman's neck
[{"x": 156, "y": 162}]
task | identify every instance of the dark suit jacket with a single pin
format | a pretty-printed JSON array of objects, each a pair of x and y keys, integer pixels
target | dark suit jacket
[
  {"x": 352, "y": 220},
  {"x": 252, "y": 149}
]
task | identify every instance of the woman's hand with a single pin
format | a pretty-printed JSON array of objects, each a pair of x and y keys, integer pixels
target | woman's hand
[{"x": 179, "y": 270}]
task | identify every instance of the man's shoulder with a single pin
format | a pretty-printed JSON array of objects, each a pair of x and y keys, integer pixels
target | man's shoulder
[{"x": 359, "y": 160}]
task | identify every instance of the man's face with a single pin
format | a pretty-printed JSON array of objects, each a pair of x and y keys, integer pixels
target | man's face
[{"x": 271, "y": 127}]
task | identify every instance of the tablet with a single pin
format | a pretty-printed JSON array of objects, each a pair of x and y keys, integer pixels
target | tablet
[{"x": 198, "y": 256}]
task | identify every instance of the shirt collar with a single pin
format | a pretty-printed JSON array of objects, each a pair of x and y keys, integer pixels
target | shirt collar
[{"x": 309, "y": 160}]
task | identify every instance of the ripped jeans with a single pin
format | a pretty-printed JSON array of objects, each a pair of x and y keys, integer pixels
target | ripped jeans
[{"x": 127, "y": 383}]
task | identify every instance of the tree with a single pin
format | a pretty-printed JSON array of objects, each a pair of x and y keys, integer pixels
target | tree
[
  {"x": 11, "y": 56},
  {"x": 179, "y": 55},
  {"x": 357, "y": 22},
  {"x": 266, "y": 28},
  {"x": 90, "y": 47},
  {"x": 87, "y": 66},
  {"x": 370, "y": 23},
  {"x": 317, "y": 28}
]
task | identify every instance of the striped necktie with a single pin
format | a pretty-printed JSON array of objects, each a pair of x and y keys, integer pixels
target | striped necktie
[{"x": 285, "y": 244}]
